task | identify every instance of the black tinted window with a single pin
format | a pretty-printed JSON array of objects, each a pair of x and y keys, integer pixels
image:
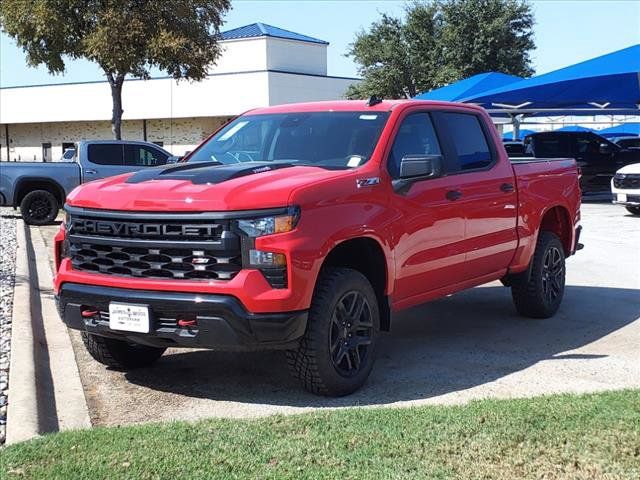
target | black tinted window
[
  {"x": 105, "y": 153},
  {"x": 469, "y": 141},
  {"x": 416, "y": 136},
  {"x": 551, "y": 146},
  {"x": 141, "y": 155}
]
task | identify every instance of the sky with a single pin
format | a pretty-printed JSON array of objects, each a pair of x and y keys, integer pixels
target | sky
[{"x": 566, "y": 32}]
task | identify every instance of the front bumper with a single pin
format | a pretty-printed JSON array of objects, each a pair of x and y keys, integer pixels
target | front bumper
[{"x": 222, "y": 323}]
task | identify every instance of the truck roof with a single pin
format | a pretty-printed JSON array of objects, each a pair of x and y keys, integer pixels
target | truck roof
[{"x": 351, "y": 106}]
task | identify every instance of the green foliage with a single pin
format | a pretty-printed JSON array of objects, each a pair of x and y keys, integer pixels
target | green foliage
[
  {"x": 124, "y": 37},
  {"x": 442, "y": 41},
  {"x": 589, "y": 437}
]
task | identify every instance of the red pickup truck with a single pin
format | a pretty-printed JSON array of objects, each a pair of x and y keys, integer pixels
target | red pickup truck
[{"x": 304, "y": 227}]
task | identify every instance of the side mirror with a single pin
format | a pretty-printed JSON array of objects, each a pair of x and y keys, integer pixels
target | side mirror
[
  {"x": 414, "y": 168},
  {"x": 172, "y": 159}
]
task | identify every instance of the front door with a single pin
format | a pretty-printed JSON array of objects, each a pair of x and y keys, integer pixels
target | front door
[{"x": 429, "y": 233}]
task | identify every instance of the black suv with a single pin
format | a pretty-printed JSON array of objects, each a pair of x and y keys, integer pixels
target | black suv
[{"x": 597, "y": 157}]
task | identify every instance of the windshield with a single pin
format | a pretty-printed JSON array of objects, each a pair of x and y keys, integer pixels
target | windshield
[{"x": 322, "y": 139}]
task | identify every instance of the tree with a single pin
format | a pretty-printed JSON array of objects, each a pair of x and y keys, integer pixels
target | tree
[
  {"x": 439, "y": 42},
  {"x": 124, "y": 37}
]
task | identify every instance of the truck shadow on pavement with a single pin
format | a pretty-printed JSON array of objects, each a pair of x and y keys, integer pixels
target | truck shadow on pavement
[{"x": 454, "y": 344}]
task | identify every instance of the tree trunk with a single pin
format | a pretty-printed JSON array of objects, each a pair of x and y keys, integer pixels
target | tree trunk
[{"x": 116, "y": 96}]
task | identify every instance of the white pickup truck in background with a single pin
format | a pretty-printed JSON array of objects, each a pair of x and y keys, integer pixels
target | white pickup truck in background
[{"x": 625, "y": 187}]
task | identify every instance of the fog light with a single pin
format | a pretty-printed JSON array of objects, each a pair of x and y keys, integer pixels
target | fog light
[{"x": 258, "y": 258}]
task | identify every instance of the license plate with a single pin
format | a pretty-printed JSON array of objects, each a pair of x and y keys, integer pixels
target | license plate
[
  {"x": 128, "y": 317},
  {"x": 622, "y": 197}
]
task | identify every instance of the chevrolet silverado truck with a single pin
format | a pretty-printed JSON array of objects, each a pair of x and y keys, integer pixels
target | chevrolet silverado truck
[
  {"x": 39, "y": 189},
  {"x": 304, "y": 227}
]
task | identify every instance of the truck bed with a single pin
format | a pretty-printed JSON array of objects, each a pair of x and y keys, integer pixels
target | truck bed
[{"x": 543, "y": 183}]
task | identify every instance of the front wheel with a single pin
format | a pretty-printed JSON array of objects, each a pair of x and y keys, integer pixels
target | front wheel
[
  {"x": 119, "y": 354},
  {"x": 541, "y": 296},
  {"x": 633, "y": 210},
  {"x": 337, "y": 352}
]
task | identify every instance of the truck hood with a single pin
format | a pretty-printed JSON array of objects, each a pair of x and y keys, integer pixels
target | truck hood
[
  {"x": 199, "y": 187},
  {"x": 631, "y": 168}
]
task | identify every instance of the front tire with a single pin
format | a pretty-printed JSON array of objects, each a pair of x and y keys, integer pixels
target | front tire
[
  {"x": 633, "y": 210},
  {"x": 541, "y": 296},
  {"x": 337, "y": 352},
  {"x": 39, "y": 207},
  {"x": 118, "y": 354}
]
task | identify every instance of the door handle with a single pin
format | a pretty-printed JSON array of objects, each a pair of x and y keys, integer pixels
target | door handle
[
  {"x": 506, "y": 187},
  {"x": 453, "y": 194},
  {"x": 90, "y": 171}
]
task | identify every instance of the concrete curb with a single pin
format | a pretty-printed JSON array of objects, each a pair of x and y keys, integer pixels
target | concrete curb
[
  {"x": 46, "y": 393},
  {"x": 22, "y": 410}
]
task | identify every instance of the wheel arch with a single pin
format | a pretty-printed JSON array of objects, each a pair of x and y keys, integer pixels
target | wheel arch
[
  {"x": 558, "y": 221},
  {"x": 367, "y": 256},
  {"x": 28, "y": 184}
]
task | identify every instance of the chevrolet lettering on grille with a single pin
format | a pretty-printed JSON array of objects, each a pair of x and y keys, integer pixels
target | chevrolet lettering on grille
[{"x": 129, "y": 229}]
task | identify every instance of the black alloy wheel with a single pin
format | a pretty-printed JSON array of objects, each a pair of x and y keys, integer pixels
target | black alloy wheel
[
  {"x": 351, "y": 333},
  {"x": 552, "y": 274},
  {"x": 39, "y": 207}
]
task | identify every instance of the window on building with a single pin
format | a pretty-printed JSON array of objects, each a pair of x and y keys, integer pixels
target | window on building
[
  {"x": 468, "y": 140},
  {"x": 46, "y": 152},
  {"x": 160, "y": 144},
  {"x": 416, "y": 136},
  {"x": 141, "y": 155},
  {"x": 105, "y": 153}
]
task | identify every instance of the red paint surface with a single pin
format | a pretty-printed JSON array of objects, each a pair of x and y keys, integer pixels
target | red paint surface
[{"x": 433, "y": 246}]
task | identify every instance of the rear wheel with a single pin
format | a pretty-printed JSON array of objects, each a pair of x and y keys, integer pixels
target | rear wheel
[
  {"x": 541, "y": 296},
  {"x": 337, "y": 352},
  {"x": 119, "y": 354},
  {"x": 633, "y": 210},
  {"x": 39, "y": 207}
]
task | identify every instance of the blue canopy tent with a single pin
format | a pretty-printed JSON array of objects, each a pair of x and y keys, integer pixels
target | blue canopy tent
[
  {"x": 623, "y": 130},
  {"x": 573, "y": 128},
  {"x": 469, "y": 86},
  {"x": 606, "y": 84}
]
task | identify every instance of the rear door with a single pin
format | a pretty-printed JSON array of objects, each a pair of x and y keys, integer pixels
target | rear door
[
  {"x": 484, "y": 177},
  {"x": 102, "y": 160}
]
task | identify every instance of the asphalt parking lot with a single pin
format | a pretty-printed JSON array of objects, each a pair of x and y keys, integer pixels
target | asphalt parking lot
[{"x": 468, "y": 346}]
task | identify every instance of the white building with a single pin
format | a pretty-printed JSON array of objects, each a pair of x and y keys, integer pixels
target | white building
[{"x": 261, "y": 66}]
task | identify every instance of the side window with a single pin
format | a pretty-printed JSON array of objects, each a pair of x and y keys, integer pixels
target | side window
[
  {"x": 105, "y": 153},
  {"x": 142, "y": 156},
  {"x": 416, "y": 136},
  {"x": 468, "y": 141}
]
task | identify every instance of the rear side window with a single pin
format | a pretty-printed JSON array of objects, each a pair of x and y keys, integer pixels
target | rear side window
[
  {"x": 141, "y": 155},
  {"x": 105, "y": 153},
  {"x": 416, "y": 136},
  {"x": 551, "y": 146},
  {"x": 469, "y": 143}
]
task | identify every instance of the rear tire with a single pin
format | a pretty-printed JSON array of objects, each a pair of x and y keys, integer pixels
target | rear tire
[
  {"x": 541, "y": 296},
  {"x": 39, "y": 207},
  {"x": 119, "y": 354},
  {"x": 337, "y": 352},
  {"x": 633, "y": 210}
]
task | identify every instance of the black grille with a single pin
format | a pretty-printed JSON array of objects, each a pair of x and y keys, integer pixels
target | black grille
[
  {"x": 630, "y": 181},
  {"x": 168, "y": 248}
]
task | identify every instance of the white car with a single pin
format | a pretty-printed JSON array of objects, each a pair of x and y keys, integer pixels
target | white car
[{"x": 625, "y": 186}]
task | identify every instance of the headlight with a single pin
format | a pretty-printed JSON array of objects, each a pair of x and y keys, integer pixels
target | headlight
[{"x": 258, "y": 227}]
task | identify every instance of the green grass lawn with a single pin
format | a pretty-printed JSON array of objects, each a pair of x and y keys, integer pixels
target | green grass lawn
[{"x": 584, "y": 437}]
